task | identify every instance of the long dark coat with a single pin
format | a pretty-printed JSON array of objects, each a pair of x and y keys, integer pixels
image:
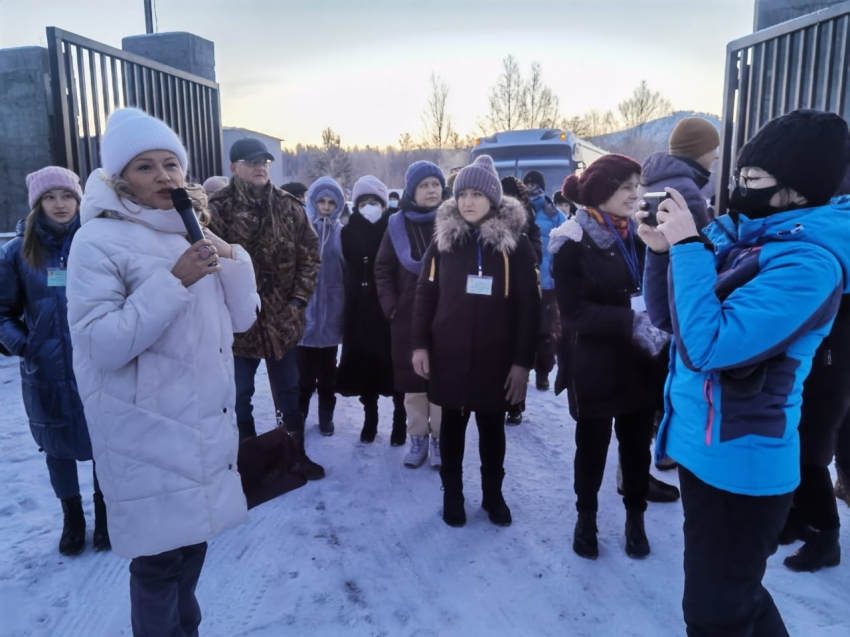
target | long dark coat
[
  {"x": 474, "y": 339},
  {"x": 34, "y": 326},
  {"x": 603, "y": 371},
  {"x": 366, "y": 366},
  {"x": 396, "y": 291}
]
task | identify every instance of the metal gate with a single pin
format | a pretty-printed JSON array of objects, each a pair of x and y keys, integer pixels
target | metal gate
[
  {"x": 799, "y": 64},
  {"x": 89, "y": 80}
]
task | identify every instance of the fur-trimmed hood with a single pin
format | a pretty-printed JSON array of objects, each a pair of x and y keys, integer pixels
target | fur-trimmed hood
[
  {"x": 576, "y": 228},
  {"x": 500, "y": 231}
]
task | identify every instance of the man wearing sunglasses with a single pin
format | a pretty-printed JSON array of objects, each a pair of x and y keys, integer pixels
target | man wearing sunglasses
[{"x": 272, "y": 226}]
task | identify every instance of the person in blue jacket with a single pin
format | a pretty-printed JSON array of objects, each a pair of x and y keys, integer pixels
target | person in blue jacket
[
  {"x": 317, "y": 351},
  {"x": 547, "y": 217},
  {"x": 34, "y": 326},
  {"x": 747, "y": 314}
]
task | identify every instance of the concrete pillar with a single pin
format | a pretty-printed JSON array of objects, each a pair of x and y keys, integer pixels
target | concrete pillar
[
  {"x": 183, "y": 51},
  {"x": 25, "y": 127},
  {"x": 769, "y": 13}
]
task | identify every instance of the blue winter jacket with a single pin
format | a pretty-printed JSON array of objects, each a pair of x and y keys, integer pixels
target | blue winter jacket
[
  {"x": 326, "y": 310},
  {"x": 34, "y": 326},
  {"x": 547, "y": 217},
  {"x": 746, "y": 323}
]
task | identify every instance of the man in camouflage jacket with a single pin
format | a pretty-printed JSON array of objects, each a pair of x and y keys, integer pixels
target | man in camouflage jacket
[{"x": 272, "y": 226}]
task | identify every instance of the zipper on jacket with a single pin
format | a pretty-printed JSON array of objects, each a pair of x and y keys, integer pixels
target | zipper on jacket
[
  {"x": 708, "y": 394},
  {"x": 828, "y": 357}
]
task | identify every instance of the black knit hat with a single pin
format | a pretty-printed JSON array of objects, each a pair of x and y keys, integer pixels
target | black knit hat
[
  {"x": 294, "y": 188},
  {"x": 805, "y": 150},
  {"x": 534, "y": 177}
]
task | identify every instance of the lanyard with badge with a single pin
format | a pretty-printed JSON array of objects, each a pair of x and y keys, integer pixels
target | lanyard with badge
[
  {"x": 58, "y": 277},
  {"x": 480, "y": 285},
  {"x": 632, "y": 263}
]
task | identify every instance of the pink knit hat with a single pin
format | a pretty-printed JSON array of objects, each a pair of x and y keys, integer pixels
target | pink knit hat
[
  {"x": 49, "y": 178},
  {"x": 369, "y": 185}
]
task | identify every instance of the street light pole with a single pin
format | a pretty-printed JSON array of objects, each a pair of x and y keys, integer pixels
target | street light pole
[{"x": 148, "y": 17}]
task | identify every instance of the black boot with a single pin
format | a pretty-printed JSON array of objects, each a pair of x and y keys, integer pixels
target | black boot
[
  {"x": 398, "y": 438},
  {"x": 492, "y": 500},
  {"x": 637, "y": 545},
  {"x": 73, "y": 541},
  {"x": 326, "y": 421},
  {"x": 658, "y": 491},
  {"x": 100, "y": 538},
  {"x": 822, "y": 551},
  {"x": 584, "y": 538},
  {"x": 310, "y": 469},
  {"x": 370, "y": 422},
  {"x": 796, "y": 529},
  {"x": 454, "y": 513},
  {"x": 514, "y": 416},
  {"x": 842, "y": 486}
]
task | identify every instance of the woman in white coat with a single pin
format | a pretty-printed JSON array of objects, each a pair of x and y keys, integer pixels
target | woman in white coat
[{"x": 152, "y": 321}]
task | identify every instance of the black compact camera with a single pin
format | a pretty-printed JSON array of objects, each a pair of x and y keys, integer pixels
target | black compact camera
[{"x": 650, "y": 202}]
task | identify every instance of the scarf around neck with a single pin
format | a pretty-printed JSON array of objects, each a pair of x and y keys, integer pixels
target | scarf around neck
[
  {"x": 621, "y": 224},
  {"x": 401, "y": 240}
]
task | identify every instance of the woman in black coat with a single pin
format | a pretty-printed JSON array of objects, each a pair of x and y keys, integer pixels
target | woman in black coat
[
  {"x": 34, "y": 326},
  {"x": 597, "y": 266},
  {"x": 475, "y": 323},
  {"x": 366, "y": 365}
]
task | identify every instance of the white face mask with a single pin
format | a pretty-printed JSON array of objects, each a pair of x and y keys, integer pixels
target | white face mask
[{"x": 371, "y": 212}]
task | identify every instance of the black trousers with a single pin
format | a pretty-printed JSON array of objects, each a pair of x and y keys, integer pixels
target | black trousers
[
  {"x": 826, "y": 406},
  {"x": 728, "y": 539},
  {"x": 162, "y": 592},
  {"x": 550, "y": 328},
  {"x": 593, "y": 435},
  {"x": 842, "y": 447},
  {"x": 491, "y": 441},
  {"x": 317, "y": 371}
]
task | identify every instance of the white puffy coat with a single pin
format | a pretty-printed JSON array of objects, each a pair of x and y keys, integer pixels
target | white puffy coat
[{"x": 154, "y": 367}]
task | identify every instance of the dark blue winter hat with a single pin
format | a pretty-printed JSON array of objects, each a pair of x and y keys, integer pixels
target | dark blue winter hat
[{"x": 417, "y": 172}]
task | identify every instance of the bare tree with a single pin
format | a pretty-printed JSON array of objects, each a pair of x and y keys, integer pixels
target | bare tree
[
  {"x": 330, "y": 139},
  {"x": 643, "y": 106},
  {"x": 332, "y": 161},
  {"x": 592, "y": 124},
  {"x": 507, "y": 106},
  {"x": 540, "y": 104},
  {"x": 438, "y": 123},
  {"x": 406, "y": 143}
]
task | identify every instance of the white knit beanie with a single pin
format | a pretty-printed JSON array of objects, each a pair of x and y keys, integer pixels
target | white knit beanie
[{"x": 129, "y": 132}]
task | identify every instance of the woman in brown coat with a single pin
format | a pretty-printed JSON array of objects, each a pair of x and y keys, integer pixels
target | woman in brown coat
[{"x": 475, "y": 323}]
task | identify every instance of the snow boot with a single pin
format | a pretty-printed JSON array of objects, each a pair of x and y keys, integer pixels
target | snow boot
[
  {"x": 541, "y": 381},
  {"x": 822, "y": 551},
  {"x": 370, "y": 422},
  {"x": 668, "y": 464},
  {"x": 492, "y": 501},
  {"x": 796, "y": 529},
  {"x": 584, "y": 538},
  {"x": 658, "y": 491},
  {"x": 326, "y": 421},
  {"x": 398, "y": 438},
  {"x": 637, "y": 546},
  {"x": 842, "y": 486},
  {"x": 100, "y": 538},
  {"x": 454, "y": 513},
  {"x": 310, "y": 469},
  {"x": 418, "y": 452},
  {"x": 73, "y": 540},
  {"x": 514, "y": 416},
  {"x": 434, "y": 453}
]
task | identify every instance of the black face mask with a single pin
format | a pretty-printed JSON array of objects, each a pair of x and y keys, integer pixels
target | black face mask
[{"x": 755, "y": 203}]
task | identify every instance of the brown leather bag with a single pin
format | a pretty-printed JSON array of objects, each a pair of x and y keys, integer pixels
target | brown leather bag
[{"x": 268, "y": 463}]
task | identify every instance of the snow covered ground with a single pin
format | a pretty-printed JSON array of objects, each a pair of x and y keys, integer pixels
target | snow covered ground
[{"x": 364, "y": 552}]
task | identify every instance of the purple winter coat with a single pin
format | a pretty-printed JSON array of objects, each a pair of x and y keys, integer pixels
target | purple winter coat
[{"x": 662, "y": 170}]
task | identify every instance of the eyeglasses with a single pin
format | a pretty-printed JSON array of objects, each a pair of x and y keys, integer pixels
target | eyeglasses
[
  {"x": 741, "y": 182},
  {"x": 256, "y": 163}
]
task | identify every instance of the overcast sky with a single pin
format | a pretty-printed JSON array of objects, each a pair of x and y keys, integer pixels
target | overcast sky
[{"x": 290, "y": 68}]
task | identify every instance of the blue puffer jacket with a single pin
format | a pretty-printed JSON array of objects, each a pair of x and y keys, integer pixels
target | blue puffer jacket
[
  {"x": 34, "y": 326},
  {"x": 747, "y": 322},
  {"x": 326, "y": 310},
  {"x": 547, "y": 218}
]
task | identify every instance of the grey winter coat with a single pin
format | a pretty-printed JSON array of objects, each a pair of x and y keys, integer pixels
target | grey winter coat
[
  {"x": 326, "y": 310},
  {"x": 662, "y": 170}
]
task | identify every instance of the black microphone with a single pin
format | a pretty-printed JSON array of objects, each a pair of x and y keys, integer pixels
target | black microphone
[{"x": 183, "y": 204}]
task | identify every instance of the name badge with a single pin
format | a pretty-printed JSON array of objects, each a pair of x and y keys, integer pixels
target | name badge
[
  {"x": 638, "y": 304},
  {"x": 482, "y": 285},
  {"x": 57, "y": 278}
]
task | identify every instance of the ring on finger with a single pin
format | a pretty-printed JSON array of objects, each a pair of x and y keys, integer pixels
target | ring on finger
[{"x": 205, "y": 252}]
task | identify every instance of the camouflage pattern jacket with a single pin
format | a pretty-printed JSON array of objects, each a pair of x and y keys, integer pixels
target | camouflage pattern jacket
[{"x": 275, "y": 231}]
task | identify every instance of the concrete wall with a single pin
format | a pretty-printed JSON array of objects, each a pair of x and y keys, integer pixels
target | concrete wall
[
  {"x": 769, "y": 13},
  {"x": 24, "y": 127},
  {"x": 183, "y": 51},
  {"x": 271, "y": 143}
]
